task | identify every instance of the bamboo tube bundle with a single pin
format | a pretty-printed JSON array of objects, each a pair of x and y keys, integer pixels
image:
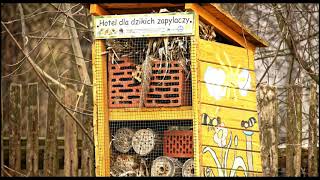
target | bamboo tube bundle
[
  {"x": 188, "y": 168},
  {"x": 166, "y": 166},
  {"x": 123, "y": 140},
  {"x": 144, "y": 141},
  {"x": 125, "y": 165}
]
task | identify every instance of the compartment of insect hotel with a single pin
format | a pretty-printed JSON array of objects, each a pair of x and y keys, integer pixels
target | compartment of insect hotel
[
  {"x": 146, "y": 74},
  {"x": 149, "y": 72},
  {"x": 142, "y": 148}
]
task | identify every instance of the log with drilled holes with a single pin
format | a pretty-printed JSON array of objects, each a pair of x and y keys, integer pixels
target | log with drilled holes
[
  {"x": 166, "y": 166},
  {"x": 188, "y": 168},
  {"x": 144, "y": 141},
  {"x": 123, "y": 140},
  {"x": 125, "y": 165}
]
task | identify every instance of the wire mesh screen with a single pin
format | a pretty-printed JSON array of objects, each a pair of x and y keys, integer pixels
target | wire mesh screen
[{"x": 149, "y": 97}]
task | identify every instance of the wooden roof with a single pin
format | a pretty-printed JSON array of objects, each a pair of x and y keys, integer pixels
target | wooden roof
[{"x": 211, "y": 13}]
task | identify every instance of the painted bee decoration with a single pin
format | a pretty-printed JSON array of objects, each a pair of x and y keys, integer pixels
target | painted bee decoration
[
  {"x": 249, "y": 123},
  {"x": 206, "y": 120}
]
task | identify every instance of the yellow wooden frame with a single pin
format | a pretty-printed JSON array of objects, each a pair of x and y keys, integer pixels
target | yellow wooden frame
[{"x": 103, "y": 115}]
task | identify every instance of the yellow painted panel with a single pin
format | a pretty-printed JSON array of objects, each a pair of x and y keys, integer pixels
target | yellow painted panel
[
  {"x": 228, "y": 97},
  {"x": 213, "y": 172},
  {"x": 220, "y": 136},
  {"x": 231, "y": 117},
  {"x": 224, "y": 158},
  {"x": 227, "y": 76},
  {"x": 226, "y": 54},
  {"x": 175, "y": 113}
]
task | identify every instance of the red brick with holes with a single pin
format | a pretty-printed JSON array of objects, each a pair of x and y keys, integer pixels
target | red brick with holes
[
  {"x": 169, "y": 86},
  {"x": 124, "y": 91},
  {"x": 178, "y": 143}
]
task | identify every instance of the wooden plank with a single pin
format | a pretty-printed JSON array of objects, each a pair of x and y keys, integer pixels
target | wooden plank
[
  {"x": 176, "y": 113},
  {"x": 225, "y": 158},
  {"x": 50, "y": 156},
  {"x": 87, "y": 151},
  {"x": 33, "y": 130},
  {"x": 231, "y": 118},
  {"x": 247, "y": 140},
  {"x": 220, "y": 27},
  {"x": 15, "y": 115},
  {"x": 70, "y": 133},
  {"x": 268, "y": 108},
  {"x": 97, "y": 10},
  {"x": 227, "y": 97},
  {"x": 100, "y": 111},
  {"x": 234, "y": 77},
  {"x": 227, "y": 55},
  {"x": 208, "y": 171}
]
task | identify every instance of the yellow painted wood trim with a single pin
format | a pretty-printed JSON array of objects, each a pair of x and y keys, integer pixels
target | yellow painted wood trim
[
  {"x": 101, "y": 123},
  {"x": 223, "y": 54},
  {"x": 227, "y": 97},
  {"x": 209, "y": 132},
  {"x": 231, "y": 117},
  {"x": 97, "y": 10},
  {"x": 177, "y": 113},
  {"x": 235, "y": 77},
  {"x": 220, "y": 26},
  {"x": 220, "y": 152},
  {"x": 239, "y": 173},
  {"x": 221, "y": 10}
]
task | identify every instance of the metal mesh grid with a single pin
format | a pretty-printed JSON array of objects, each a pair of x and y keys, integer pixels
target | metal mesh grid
[{"x": 149, "y": 93}]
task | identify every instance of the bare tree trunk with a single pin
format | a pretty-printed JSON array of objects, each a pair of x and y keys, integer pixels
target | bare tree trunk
[
  {"x": 50, "y": 156},
  {"x": 15, "y": 115},
  {"x": 70, "y": 138},
  {"x": 313, "y": 152},
  {"x": 268, "y": 109},
  {"x": 33, "y": 130},
  {"x": 294, "y": 120}
]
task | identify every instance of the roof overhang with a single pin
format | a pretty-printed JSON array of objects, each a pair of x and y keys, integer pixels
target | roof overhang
[{"x": 211, "y": 13}]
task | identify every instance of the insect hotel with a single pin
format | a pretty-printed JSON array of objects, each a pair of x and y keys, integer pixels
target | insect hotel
[{"x": 174, "y": 91}]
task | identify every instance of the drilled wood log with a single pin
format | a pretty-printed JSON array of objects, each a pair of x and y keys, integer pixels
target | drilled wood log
[
  {"x": 70, "y": 142},
  {"x": 268, "y": 108},
  {"x": 313, "y": 152},
  {"x": 50, "y": 152},
  {"x": 144, "y": 141},
  {"x": 188, "y": 168},
  {"x": 33, "y": 130},
  {"x": 123, "y": 140},
  {"x": 166, "y": 166},
  {"x": 15, "y": 115},
  {"x": 125, "y": 165}
]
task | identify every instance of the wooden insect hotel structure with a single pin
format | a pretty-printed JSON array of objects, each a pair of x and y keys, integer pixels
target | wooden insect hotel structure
[{"x": 174, "y": 91}]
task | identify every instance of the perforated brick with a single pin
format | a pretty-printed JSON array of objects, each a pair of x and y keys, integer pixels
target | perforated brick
[
  {"x": 124, "y": 91},
  {"x": 168, "y": 86},
  {"x": 178, "y": 143}
]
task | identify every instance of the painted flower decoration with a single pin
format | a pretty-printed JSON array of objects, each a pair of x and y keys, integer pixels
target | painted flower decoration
[
  {"x": 215, "y": 78},
  {"x": 220, "y": 136}
]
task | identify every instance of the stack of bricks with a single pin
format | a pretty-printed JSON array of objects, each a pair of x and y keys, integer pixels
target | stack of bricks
[
  {"x": 124, "y": 90},
  {"x": 168, "y": 86},
  {"x": 178, "y": 143}
]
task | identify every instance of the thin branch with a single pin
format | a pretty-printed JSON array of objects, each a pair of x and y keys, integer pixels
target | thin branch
[{"x": 274, "y": 59}]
